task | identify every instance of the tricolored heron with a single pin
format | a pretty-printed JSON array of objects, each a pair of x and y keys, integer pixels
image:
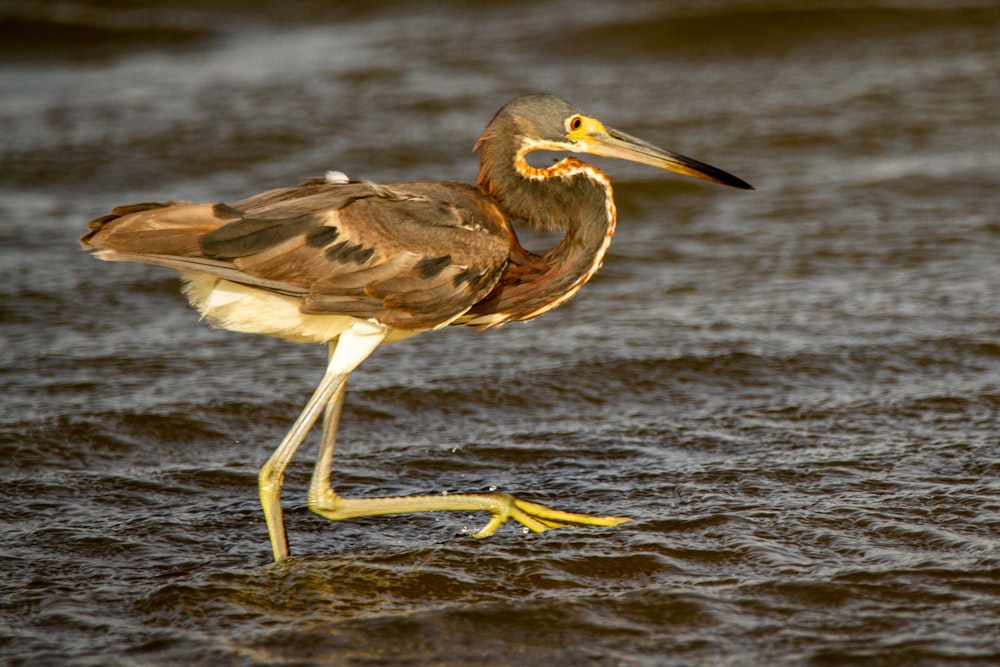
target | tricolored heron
[{"x": 358, "y": 264}]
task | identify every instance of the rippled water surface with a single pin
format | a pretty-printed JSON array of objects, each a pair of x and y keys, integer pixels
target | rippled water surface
[{"x": 794, "y": 391}]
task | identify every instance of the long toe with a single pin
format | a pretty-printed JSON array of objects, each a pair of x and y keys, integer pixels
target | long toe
[{"x": 537, "y": 517}]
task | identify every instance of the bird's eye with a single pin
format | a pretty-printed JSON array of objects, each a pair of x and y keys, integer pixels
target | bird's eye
[{"x": 575, "y": 123}]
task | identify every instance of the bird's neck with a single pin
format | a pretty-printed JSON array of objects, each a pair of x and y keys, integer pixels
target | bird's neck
[{"x": 571, "y": 196}]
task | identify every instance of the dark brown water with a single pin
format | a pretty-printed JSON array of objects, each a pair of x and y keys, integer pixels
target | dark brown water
[{"x": 795, "y": 392}]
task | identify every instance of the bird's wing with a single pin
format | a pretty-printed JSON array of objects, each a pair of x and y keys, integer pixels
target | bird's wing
[{"x": 411, "y": 256}]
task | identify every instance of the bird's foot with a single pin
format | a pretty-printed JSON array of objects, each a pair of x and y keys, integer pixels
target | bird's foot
[{"x": 537, "y": 517}]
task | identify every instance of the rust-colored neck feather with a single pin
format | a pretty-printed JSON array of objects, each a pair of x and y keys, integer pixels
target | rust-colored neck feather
[{"x": 570, "y": 196}]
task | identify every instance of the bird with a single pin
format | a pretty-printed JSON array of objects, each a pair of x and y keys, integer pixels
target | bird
[{"x": 355, "y": 264}]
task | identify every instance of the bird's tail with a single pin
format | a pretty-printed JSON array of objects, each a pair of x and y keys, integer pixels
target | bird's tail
[{"x": 167, "y": 229}]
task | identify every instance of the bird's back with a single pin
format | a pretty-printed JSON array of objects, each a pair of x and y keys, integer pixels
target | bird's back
[{"x": 293, "y": 262}]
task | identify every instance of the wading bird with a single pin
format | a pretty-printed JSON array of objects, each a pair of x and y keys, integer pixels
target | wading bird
[{"x": 358, "y": 264}]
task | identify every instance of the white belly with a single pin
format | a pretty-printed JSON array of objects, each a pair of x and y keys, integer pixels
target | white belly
[{"x": 236, "y": 307}]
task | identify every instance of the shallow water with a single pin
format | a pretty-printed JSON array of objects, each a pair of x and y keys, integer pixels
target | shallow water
[{"x": 794, "y": 392}]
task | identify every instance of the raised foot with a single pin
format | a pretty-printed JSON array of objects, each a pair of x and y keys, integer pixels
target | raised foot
[
  {"x": 502, "y": 506},
  {"x": 537, "y": 517}
]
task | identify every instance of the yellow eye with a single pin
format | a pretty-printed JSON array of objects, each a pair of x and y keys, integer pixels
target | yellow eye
[{"x": 575, "y": 123}]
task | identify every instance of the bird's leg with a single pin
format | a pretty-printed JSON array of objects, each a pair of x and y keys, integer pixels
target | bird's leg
[
  {"x": 324, "y": 501},
  {"x": 351, "y": 348},
  {"x": 321, "y": 473},
  {"x": 272, "y": 474},
  {"x": 503, "y": 506}
]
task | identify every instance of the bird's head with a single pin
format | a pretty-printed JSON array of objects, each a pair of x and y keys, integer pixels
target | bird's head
[{"x": 545, "y": 122}]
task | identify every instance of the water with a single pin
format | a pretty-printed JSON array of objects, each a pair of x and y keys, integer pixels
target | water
[{"x": 794, "y": 392}]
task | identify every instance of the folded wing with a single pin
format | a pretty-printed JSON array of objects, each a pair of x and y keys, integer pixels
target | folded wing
[{"x": 412, "y": 256}]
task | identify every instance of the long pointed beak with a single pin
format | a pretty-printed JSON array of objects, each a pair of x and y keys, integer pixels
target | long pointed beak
[{"x": 607, "y": 142}]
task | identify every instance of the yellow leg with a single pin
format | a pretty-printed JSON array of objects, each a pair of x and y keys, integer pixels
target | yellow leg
[
  {"x": 353, "y": 346},
  {"x": 324, "y": 501},
  {"x": 272, "y": 475},
  {"x": 502, "y": 506},
  {"x": 350, "y": 350}
]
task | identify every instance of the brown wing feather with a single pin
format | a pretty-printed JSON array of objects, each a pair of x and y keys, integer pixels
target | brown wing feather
[
  {"x": 412, "y": 256},
  {"x": 171, "y": 228}
]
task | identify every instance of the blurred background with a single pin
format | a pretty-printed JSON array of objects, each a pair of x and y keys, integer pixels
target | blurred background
[{"x": 793, "y": 391}]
